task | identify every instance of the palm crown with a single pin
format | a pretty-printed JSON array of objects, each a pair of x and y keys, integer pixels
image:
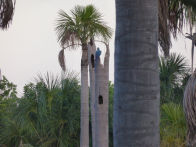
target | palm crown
[{"x": 83, "y": 24}]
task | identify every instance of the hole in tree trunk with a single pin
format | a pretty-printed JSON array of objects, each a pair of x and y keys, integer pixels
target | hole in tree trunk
[
  {"x": 100, "y": 99},
  {"x": 92, "y": 61}
]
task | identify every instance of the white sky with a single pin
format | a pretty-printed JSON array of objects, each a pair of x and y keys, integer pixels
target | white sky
[{"x": 30, "y": 47}]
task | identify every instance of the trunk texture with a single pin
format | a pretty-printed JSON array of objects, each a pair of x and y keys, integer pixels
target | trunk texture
[
  {"x": 189, "y": 103},
  {"x": 136, "y": 85},
  {"x": 91, "y": 61},
  {"x": 101, "y": 101},
  {"x": 84, "y": 114}
]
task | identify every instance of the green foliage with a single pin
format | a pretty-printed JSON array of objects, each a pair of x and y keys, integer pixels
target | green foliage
[
  {"x": 7, "y": 89},
  {"x": 173, "y": 75},
  {"x": 172, "y": 125},
  {"x": 83, "y": 24},
  {"x": 48, "y": 115}
]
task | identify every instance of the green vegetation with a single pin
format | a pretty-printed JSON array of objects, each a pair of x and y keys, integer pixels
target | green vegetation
[
  {"x": 48, "y": 115},
  {"x": 172, "y": 125},
  {"x": 174, "y": 74}
]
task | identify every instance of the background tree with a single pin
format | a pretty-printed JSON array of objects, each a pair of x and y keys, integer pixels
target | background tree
[
  {"x": 48, "y": 115},
  {"x": 76, "y": 29},
  {"x": 7, "y": 89}
]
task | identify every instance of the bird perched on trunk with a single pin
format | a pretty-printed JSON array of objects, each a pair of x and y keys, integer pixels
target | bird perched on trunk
[{"x": 97, "y": 54}]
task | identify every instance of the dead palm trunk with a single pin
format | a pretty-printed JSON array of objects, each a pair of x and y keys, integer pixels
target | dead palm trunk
[
  {"x": 91, "y": 61},
  {"x": 101, "y": 101},
  {"x": 136, "y": 84},
  {"x": 84, "y": 113}
]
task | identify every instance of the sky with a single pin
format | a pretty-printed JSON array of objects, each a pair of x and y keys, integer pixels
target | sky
[{"x": 29, "y": 47}]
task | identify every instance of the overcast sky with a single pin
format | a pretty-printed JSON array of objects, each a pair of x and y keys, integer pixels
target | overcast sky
[{"x": 30, "y": 46}]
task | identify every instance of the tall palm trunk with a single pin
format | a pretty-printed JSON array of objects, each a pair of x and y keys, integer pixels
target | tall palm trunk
[
  {"x": 84, "y": 113},
  {"x": 101, "y": 101},
  {"x": 91, "y": 61},
  {"x": 136, "y": 87}
]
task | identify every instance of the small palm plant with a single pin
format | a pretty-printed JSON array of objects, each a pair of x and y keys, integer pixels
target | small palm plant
[
  {"x": 83, "y": 25},
  {"x": 172, "y": 71}
]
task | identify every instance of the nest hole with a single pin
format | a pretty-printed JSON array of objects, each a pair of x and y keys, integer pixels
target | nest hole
[
  {"x": 92, "y": 61},
  {"x": 100, "y": 99}
]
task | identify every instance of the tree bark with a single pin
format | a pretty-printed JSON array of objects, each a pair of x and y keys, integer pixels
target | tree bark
[
  {"x": 84, "y": 114},
  {"x": 91, "y": 61},
  {"x": 101, "y": 101},
  {"x": 136, "y": 85},
  {"x": 190, "y": 110}
]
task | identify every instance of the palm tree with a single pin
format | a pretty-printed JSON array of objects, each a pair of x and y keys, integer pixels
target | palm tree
[
  {"x": 6, "y": 12},
  {"x": 136, "y": 85},
  {"x": 75, "y": 30},
  {"x": 172, "y": 15},
  {"x": 172, "y": 72}
]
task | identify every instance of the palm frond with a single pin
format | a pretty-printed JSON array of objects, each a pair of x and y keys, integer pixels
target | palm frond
[
  {"x": 6, "y": 12},
  {"x": 83, "y": 24},
  {"x": 172, "y": 72},
  {"x": 66, "y": 29},
  {"x": 173, "y": 16},
  {"x": 172, "y": 67},
  {"x": 48, "y": 80}
]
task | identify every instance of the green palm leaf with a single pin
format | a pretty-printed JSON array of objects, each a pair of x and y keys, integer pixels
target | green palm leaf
[{"x": 83, "y": 24}]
